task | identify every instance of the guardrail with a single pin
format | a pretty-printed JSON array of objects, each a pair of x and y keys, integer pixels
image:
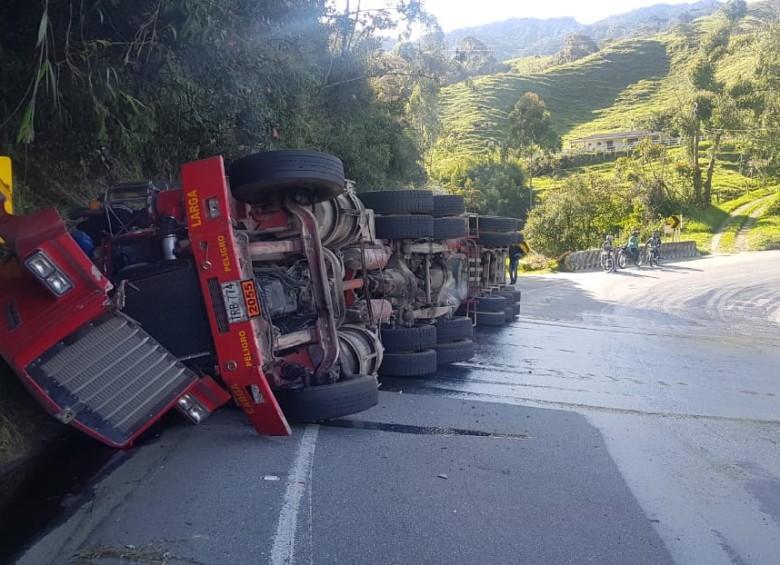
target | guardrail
[{"x": 591, "y": 258}]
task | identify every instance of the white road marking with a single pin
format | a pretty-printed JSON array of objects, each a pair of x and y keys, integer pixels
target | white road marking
[{"x": 298, "y": 484}]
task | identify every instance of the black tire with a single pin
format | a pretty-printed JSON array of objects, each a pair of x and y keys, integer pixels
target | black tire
[
  {"x": 454, "y": 352},
  {"x": 454, "y": 329},
  {"x": 398, "y": 201},
  {"x": 491, "y": 318},
  {"x": 508, "y": 295},
  {"x": 408, "y": 364},
  {"x": 449, "y": 228},
  {"x": 518, "y": 294},
  {"x": 325, "y": 402},
  {"x": 621, "y": 259},
  {"x": 491, "y": 304},
  {"x": 307, "y": 176},
  {"x": 516, "y": 309},
  {"x": 509, "y": 314},
  {"x": 494, "y": 238},
  {"x": 448, "y": 205},
  {"x": 493, "y": 223},
  {"x": 400, "y": 339},
  {"x": 607, "y": 262},
  {"x": 403, "y": 227},
  {"x": 516, "y": 237}
]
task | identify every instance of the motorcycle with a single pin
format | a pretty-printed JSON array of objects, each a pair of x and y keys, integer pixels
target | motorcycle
[
  {"x": 652, "y": 255},
  {"x": 607, "y": 260},
  {"x": 625, "y": 255}
]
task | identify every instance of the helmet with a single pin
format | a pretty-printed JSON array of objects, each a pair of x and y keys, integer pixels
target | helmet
[
  {"x": 609, "y": 237},
  {"x": 656, "y": 233},
  {"x": 635, "y": 232}
]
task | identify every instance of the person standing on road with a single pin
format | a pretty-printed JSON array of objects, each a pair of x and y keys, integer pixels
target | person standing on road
[{"x": 515, "y": 254}]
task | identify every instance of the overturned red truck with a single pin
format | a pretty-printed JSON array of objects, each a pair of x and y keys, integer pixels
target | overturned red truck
[
  {"x": 270, "y": 283},
  {"x": 193, "y": 296}
]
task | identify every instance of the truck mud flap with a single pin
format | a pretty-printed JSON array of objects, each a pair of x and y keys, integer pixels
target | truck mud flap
[{"x": 110, "y": 379}]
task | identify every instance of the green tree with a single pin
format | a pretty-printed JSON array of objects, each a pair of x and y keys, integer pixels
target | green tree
[
  {"x": 577, "y": 215},
  {"x": 762, "y": 101},
  {"x": 575, "y": 47},
  {"x": 531, "y": 133},
  {"x": 735, "y": 10},
  {"x": 712, "y": 110},
  {"x": 472, "y": 58},
  {"x": 95, "y": 92},
  {"x": 656, "y": 185}
]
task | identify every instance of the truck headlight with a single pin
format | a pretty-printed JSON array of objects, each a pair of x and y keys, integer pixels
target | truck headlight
[
  {"x": 192, "y": 409},
  {"x": 40, "y": 265},
  {"x": 48, "y": 273},
  {"x": 59, "y": 283}
]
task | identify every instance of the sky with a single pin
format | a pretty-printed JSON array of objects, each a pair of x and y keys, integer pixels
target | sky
[{"x": 454, "y": 14}]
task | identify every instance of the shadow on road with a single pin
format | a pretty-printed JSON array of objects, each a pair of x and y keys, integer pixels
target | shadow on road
[
  {"x": 640, "y": 273},
  {"x": 677, "y": 268}
]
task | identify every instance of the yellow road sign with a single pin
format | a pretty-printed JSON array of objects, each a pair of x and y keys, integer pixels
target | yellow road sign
[
  {"x": 674, "y": 221},
  {"x": 6, "y": 184}
]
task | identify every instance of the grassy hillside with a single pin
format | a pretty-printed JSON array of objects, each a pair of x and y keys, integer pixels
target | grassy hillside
[
  {"x": 617, "y": 89},
  {"x": 474, "y": 112},
  {"x": 627, "y": 85}
]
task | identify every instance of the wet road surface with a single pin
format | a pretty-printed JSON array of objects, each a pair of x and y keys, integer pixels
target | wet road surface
[{"x": 624, "y": 418}]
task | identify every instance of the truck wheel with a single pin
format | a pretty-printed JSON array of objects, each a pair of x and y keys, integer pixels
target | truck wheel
[
  {"x": 508, "y": 295},
  {"x": 516, "y": 308},
  {"x": 398, "y": 339},
  {"x": 403, "y": 227},
  {"x": 454, "y": 352},
  {"x": 325, "y": 402},
  {"x": 454, "y": 329},
  {"x": 517, "y": 293},
  {"x": 509, "y": 314},
  {"x": 494, "y": 238},
  {"x": 408, "y": 364},
  {"x": 491, "y": 318},
  {"x": 448, "y": 205},
  {"x": 449, "y": 228},
  {"x": 306, "y": 176},
  {"x": 398, "y": 201},
  {"x": 491, "y": 304},
  {"x": 494, "y": 223}
]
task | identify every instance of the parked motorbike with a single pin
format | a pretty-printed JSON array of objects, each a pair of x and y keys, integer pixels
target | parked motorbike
[
  {"x": 652, "y": 255},
  {"x": 607, "y": 261},
  {"x": 625, "y": 255}
]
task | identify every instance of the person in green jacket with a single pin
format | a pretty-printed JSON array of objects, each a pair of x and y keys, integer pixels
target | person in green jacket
[{"x": 633, "y": 246}]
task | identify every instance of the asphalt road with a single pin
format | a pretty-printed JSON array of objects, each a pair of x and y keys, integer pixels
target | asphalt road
[{"x": 624, "y": 418}]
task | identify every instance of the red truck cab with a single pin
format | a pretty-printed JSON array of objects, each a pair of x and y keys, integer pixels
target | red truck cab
[
  {"x": 191, "y": 297},
  {"x": 74, "y": 351}
]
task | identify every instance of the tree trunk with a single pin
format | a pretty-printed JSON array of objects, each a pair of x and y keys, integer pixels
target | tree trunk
[
  {"x": 711, "y": 169},
  {"x": 697, "y": 180}
]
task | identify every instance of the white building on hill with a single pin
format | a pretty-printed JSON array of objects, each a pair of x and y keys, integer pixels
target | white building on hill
[{"x": 609, "y": 142}]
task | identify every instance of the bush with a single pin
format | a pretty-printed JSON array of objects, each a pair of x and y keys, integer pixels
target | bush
[{"x": 536, "y": 262}]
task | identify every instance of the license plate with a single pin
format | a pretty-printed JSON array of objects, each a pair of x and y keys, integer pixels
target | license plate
[{"x": 235, "y": 305}]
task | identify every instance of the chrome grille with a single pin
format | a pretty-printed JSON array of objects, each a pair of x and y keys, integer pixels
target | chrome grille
[{"x": 111, "y": 376}]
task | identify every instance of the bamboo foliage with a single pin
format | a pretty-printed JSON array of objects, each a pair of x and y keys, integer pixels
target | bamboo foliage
[{"x": 98, "y": 91}]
